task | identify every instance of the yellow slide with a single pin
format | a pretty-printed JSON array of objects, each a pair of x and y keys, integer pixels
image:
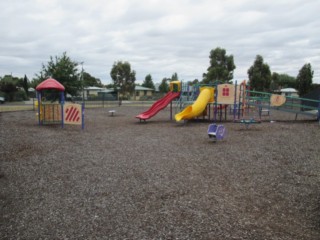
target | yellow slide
[{"x": 197, "y": 108}]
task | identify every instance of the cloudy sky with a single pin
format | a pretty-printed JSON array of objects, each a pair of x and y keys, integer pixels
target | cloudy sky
[{"x": 159, "y": 37}]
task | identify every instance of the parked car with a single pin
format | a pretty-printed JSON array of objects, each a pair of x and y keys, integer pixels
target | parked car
[{"x": 2, "y": 100}]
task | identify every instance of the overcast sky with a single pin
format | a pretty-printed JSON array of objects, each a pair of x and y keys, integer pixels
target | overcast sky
[{"x": 159, "y": 37}]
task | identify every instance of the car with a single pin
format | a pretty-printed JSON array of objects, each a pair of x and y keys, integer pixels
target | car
[{"x": 2, "y": 100}]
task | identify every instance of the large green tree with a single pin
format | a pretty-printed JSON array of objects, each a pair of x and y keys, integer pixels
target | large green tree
[
  {"x": 259, "y": 75},
  {"x": 123, "y": 77},
  {"x": 174, "y": 77},
  {"x": 304, "y": 79},
  {"x": 282, "y": 80},
  {"x": 164, "y": 86},
  {"x": 194, "y": 82},
  {"x": 64, "y": 70},
  {"x": 25, "y": 84},
  {"x": 8, "y": 85},
  {"x": 90, "y": 81},
  {"x": 221, "y": 67},
  {"x": 148, "y": 82},
  {"x": 11, "y": 87}
]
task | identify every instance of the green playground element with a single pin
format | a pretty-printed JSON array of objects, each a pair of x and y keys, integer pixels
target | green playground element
[
  {"x": 297, "y": 105},
  {"x": 248, "y": 122}
]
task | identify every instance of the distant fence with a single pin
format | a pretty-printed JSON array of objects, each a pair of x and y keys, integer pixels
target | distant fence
[
  {"x": 107, "y": 104},
  {"x": 97, "y": 103}
]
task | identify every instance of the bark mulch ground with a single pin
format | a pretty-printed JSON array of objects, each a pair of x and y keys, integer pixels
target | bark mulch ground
[{"x": 122, "y": 179}]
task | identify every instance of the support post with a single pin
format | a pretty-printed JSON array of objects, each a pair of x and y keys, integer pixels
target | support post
[{"x": 39, "y": 107}]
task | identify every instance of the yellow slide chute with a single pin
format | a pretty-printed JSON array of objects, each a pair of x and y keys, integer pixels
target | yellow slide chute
[{"x": 197, "y": 108}]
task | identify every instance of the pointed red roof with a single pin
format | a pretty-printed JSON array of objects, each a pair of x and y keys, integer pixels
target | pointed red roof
[{"x": 50, "y": 83}]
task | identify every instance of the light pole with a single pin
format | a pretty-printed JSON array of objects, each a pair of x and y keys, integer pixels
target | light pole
[
  {"x": 120, "y": 100},
  {"x": 119, "y": 87},
  {"x": 115, "y": 85}
]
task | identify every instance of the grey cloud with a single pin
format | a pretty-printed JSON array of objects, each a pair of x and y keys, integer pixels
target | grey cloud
[{"x": 159, "y": 37}]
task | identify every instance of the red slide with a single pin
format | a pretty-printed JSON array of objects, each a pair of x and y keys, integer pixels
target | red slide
[{"x": 158, "y": 105}]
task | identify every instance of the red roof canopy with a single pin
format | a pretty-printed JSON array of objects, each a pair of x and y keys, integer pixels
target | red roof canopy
[{"x": 50, "y": 83}]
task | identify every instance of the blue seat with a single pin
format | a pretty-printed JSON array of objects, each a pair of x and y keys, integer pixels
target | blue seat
[{"x": 216, "y": 132}]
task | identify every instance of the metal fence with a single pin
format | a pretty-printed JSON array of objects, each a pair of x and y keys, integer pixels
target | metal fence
[
  {"x": 292, "y": 104},
  {"x": 31, "y": 105}
]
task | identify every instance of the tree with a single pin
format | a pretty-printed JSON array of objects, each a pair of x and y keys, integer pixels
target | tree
[
  {"x": 174, "y": 77},
  {"x": 9, "y": 85},
  {"x": 194, "y": 82},
  {"x": 304, "y": 79},
  {"x": 148, "y": 83},
  {"x": 123, "y": 78},
  {"x": 279, "y": 81},
  {"x": 109, "y": 85},
  {"x": 64, "y": 70},
  {"x": 259, "y": 75},
  {"x": 275, "y": 81},
  {"x": 315, "y": 86},
  {"x": 164, "y": 87},
  {"x": 25, "y": 84},
  {"x": 35, "y": 82},
  {"x": 90, "y": 81},
  {"x": 221, "y": 67}
]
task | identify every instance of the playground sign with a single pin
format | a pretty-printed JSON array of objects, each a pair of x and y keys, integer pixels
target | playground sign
[
  {"x": 226, "y": 93},
  {"x": 73, "y": 114},
  {"x": 277, "y": 100}
]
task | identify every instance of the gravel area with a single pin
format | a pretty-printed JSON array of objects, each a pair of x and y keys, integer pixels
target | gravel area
[{"x": 122, "y": 179}]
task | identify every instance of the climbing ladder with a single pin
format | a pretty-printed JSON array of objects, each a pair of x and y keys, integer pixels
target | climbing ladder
[{"x": 188, "y": 95}]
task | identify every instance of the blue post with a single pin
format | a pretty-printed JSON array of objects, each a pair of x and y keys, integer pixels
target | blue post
[
  {"x": 235, "y": 101},
  {"x": 62, "y": 110},
  {"x": 62, "y": 97},
  {"x": 215, "y": 103},
  {"x": 39, "y": 108},
  {"x": 319, "y": 111},
  {"x": 240, "y": 103},
  {"x": 82, "y": 115},
  {"x": 188, "y": 89}
]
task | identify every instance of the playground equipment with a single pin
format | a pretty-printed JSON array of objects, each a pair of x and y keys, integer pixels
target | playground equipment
[
  {"x": 198, "y": 107},
  {"x": 216, "y": 132},
  {"x": 245, "y": 105},
  {"x": 264, "y": 102},
  {"x": 291, "y": 104},
  {"x": 247, "y": 122},
  {"x": 175, "y": 89},
  {"x": 112, "y": 112},
  {"x": 242, "y": 105},
  {"x": 57, "y": 112},
  {"x": 221, "y": 96}
]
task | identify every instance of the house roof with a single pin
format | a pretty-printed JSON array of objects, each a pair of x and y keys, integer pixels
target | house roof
[
  {"x": 140, "y": 88},
  {"x": 93, "y": 88},
  {"x": 288, "y": 90},
  {"x": 106, "y": 91},
  {"x": 137, "y": 88}
]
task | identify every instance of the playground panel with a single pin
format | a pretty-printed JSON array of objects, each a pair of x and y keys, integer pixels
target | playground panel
[
  {"x": 51, "y": 113},
  {"x": 284, "y": 103}
]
